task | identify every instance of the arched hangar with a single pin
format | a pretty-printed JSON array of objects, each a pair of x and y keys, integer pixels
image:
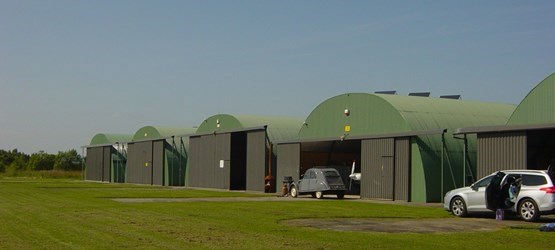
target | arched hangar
[
  {"x": 402, "y": 145},
  {"x": 106, "y": 157},
  {"x": 235, "y": 152}
]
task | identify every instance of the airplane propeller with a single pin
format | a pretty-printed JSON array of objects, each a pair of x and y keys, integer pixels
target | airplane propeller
[{"x": 353, "y": 176}]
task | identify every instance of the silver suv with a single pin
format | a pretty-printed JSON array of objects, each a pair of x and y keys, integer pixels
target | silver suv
[{"x": 528, "y": 193}]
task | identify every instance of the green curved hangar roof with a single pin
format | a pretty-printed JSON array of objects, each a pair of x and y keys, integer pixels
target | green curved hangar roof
[
  {"x": 151, "y": 132},
  {"x": 371, "y": 114},
  {"x": 278, "y": 127},
  {"x": 104, "y": 139},
  {"x": 538, "y": 107}
]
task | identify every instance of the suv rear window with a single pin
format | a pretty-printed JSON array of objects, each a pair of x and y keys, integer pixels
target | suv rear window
[{"x": 533, "y": 180}]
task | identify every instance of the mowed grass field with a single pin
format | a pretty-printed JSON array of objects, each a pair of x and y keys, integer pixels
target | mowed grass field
[{"x": 68, "y": 214}]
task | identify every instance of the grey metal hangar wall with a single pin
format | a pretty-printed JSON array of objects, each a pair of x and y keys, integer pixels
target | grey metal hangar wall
[
  {"x": 234, "y": 151},
  {"x": 106, "y": 158},
  {"x": 158, "y": 156}
]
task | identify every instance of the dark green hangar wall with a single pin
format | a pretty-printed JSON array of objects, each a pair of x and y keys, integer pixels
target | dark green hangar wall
[
  {"x": 106, "y": 157},
  {"x": 159, "y": 156},
  {"x": 356, "y": 116},
  {"x": 233, "y": 151}
]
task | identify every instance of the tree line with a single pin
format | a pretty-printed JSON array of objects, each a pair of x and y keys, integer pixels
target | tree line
[{"x": 13, "y": 161}]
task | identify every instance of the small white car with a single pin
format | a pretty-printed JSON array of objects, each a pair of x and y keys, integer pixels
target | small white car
[{"x": 529, "y": 193}]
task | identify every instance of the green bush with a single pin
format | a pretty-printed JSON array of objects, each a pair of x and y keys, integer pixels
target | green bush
[
  {"x": 68, "y": 160},
  {"x": 67, "y": 164}
]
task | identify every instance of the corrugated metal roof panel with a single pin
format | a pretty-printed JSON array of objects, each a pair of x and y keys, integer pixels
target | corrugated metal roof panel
[
  {"x": 378, "y": 113},
  {"x": 538, "y": 106},
  {"x": 278, "y": 127},
  {"x": 151, "y": 132},
  {"x": 429, "y": 113},
  {"x": 104, "y": 139}
]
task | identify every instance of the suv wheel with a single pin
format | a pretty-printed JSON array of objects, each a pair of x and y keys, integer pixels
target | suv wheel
[
  {"x": 458, "y": 207},
  {"x": 294, "y": 192},
  {"x": 528, "y": 210}
]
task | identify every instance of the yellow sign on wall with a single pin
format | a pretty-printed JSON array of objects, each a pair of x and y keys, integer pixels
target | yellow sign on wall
[{"x": 347, "y": 128}]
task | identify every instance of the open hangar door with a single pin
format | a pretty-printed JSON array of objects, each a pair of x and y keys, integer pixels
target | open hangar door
[
  {"x": 384, "y": 163},
  {"x": 334, "y": 154},
  {"x": 386, "y": 168},
  {"x": 540, "y": 149}
]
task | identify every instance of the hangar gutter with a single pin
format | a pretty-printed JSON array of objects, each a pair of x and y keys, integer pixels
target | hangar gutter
[
  {"x": 365, "y": 137},
  {"x": 493, "y": 129},
  {"x": 161, "y": 138},
  {"x": 232, "y": 131}
]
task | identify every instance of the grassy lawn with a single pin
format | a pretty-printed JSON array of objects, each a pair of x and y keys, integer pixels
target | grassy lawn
[{"x": 46, "y": 214}]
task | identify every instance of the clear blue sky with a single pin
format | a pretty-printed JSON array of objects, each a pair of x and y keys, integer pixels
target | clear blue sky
[{"x": 71, "y": 69}]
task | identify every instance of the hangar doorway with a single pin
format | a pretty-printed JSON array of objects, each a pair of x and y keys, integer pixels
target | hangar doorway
[
  {"x": 540, "y": 148},
  {"x": 238, "y": 162},
  {"x": 334, "y": 154},
  {"x": 384, "y": 163},
  {"x": 233, "y": 160}
]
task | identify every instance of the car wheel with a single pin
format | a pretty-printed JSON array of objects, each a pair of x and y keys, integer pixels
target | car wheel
[
  {"x": 458, "y": 207},
  {"x": 528, "y": 210},
  {"x": 340, "y": 195},
  {"x": 294, "y": 192},
  {"x": 319, "y": 195}
]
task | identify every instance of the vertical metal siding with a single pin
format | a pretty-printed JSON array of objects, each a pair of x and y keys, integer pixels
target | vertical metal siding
[
  {"x": 497, "y": 151},
  {"x": 205, "y": 170},
  {"x": 288, "y": 162},
  {"x": 106, "y": 163},
  {"x": 402, "y": 169},
  {"x": 377, "y": 168},
  {"x": 223, "y": 152},
  {"x": 158, "y": 163},
  {"x": 141, "y": 155},
  {"x": 207, "y": 161},
  {"x": 93, "y": 164},
  {"x": 256, "y": 160},
  {"x": 194, "y": 165},
  {"x": 130, "y": 172}
]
